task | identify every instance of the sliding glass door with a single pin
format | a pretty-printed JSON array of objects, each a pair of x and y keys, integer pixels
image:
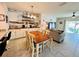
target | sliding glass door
[{"x": 72, "y": 27}]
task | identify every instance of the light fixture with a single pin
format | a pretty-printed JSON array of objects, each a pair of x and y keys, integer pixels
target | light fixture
[
  {"x": 73, "y": 16},
  {"x": 62, "y": 4},
  {"x": 32, "y": 16}
]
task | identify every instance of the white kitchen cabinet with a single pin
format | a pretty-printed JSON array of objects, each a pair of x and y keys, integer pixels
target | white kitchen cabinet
[
  {"x": 20, "y": 33},
  {"x": 14, "y": 15},
  {"x": 17, "y": 33},
  {"x": 13, "y": 34}
]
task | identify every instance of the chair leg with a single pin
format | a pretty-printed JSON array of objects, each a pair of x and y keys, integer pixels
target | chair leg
[
  {"x": 33, "y": 52},
  {"x": 47, "y": 43},
  {"x": 50, "y": 41},
  {"x": 42, "y": 46},
  {"x": 37, "y": 50}
]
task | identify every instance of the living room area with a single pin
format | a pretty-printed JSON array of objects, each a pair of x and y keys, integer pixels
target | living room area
[{"x": 59, "y": 20}]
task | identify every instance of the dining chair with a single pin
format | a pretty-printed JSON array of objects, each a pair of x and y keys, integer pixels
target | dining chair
[
  {"x": 47, "y": 42},
  {"x": 31, "y": 45}
]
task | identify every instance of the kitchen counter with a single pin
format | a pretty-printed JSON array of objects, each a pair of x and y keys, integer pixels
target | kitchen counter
[
  {"x": 19, "y": 33},
  {"x": 18, "y": 38},
  {"x": 25, "y": 29}
]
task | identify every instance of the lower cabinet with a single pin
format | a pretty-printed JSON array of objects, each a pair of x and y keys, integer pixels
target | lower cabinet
[
  {"x": 17, "y": 34},
  {"x": 17, "y": 40}
]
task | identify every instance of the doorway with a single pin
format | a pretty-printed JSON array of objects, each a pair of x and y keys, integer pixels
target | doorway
[{"x": 72, "y": 27}]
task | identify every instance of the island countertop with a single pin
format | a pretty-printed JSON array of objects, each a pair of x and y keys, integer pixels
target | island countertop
[{"x": 25, "y": 29}]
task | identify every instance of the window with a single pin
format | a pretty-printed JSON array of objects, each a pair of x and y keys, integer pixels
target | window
[
  {"x": 52, "y": 25},
  {"x": 72, "y": 26}
]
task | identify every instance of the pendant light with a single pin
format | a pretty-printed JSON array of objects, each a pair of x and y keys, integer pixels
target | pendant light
[
  {"x": 32, "y": 11},
  {"x": 32, "y": 16}
]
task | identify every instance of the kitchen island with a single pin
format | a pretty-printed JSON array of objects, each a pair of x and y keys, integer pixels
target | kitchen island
[
  {"x": 18, "y": 38},
  {"x": 19, "y": 33}
]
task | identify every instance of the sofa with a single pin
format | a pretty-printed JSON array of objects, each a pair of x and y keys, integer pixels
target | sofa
[{"x": 57, "y": 35}]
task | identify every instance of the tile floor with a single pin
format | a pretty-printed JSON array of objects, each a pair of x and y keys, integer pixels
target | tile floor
[{"x": 69, "y": 48}]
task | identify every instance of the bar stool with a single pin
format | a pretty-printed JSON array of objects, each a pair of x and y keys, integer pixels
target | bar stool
[{"x": 4, "y": 43}]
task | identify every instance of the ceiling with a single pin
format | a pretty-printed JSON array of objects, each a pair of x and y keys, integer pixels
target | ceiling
[{"x": 58, "y": 9}]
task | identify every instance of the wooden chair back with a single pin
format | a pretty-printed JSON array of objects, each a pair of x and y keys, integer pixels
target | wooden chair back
[{"x": 30, "y": 39}]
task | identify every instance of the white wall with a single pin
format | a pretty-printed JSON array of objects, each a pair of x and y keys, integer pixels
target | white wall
[
  {"x": 3, "y": 10},
  {"x": 48, "y": 18},
  {"x": 45, "y": 18},
  {"x": 64, "y": 19},
  {"x": 14, "y": 15},
  {"x": 60, "y": 24}
]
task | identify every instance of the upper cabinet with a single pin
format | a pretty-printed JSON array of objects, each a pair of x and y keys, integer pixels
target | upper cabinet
[
  {"x": 23, "y": 19},
  {"x": 33, "y": 17},
  {"x": 14, "y": 15}
]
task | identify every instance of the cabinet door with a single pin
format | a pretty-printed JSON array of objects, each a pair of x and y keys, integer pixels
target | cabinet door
[
  {"x": 17, "y": 34},
  {"x": 14, "y": 16},
  {"x": 20, "y": 33},
  {"x": 13, "y": 35}
]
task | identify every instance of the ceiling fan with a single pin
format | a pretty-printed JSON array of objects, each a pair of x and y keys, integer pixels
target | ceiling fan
[
  {"x": 62, "y": 3},
  {"x": 73, "y": 16}
]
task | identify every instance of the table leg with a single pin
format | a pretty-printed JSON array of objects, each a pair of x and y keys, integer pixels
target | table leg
[
  {"x": 37, "y": 50},
  {"x": 32, "y": 51},
  {"x": 42, "y": 46},
  {"x": 50, "y": 43}
]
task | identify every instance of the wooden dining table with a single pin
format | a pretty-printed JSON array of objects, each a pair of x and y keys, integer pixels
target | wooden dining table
[{"x": 39, "y": 38}]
